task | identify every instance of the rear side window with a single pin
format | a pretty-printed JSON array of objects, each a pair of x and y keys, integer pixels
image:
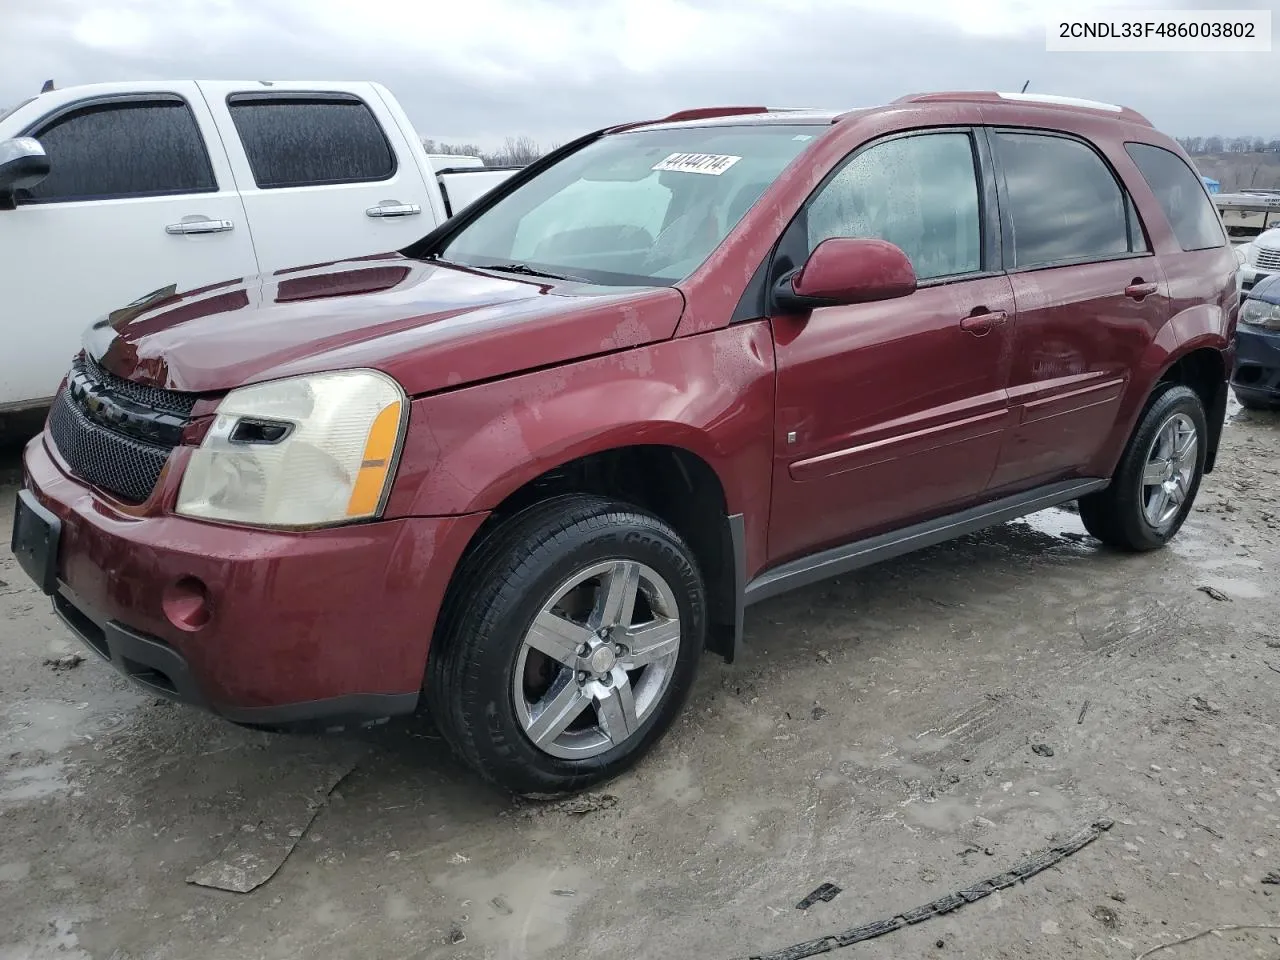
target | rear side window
[
  {"x": 918, "y": 192},
  {"x": 1065, "y": 205},
  {"x": 1182, "y": 196},
  {"x": 122, "y": 149},
  {"x": 301, "y": 141}
]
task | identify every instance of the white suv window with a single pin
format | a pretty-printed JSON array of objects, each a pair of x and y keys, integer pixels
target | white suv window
[
  {"x": 115, "y": 149},
  {"x": 304, "y": 140}
]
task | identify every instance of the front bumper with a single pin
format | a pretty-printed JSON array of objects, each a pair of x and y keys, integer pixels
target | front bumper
[
  {"x": 260, "y": 627},
  {"x": 1250, "y": 277},
  {"x": 1256, "y": 372}
]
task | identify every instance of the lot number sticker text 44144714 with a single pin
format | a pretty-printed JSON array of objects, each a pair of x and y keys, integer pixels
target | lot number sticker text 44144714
[{"x": 709, "y": 163}]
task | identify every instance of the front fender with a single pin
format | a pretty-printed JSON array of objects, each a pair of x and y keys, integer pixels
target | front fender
[{"x": 469, "y": 449}]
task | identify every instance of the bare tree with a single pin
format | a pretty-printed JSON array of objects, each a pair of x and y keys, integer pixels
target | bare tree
[
  {"x": 517, "y": 152},
  {"x": 451, "y": 149},
  {"x": 514, "y": 152}
]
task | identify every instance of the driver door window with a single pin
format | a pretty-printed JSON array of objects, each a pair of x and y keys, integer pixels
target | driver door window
[{"x": 918, "y": 192}]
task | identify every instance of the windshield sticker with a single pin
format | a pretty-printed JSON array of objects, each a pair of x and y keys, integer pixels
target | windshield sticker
[{"x": 711, "y": 163}]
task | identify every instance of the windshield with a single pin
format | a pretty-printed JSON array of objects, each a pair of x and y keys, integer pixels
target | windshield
[
  {"x": 643, "y": 207},
  {"x": 14, "y": 109}
]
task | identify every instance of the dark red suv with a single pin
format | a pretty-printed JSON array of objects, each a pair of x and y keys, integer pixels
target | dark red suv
[{"x": 528, "y": 469}]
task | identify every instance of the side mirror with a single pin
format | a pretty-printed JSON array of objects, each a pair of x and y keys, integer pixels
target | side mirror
[
  {"x": 845, "y": 270},
  {"x": 23, "y": 164}
]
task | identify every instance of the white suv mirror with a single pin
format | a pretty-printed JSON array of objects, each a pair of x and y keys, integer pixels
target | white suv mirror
[{"x": 23, "y": 164}]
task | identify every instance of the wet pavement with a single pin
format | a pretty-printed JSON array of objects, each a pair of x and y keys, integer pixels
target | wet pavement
[{"x": 878, "y": 735}]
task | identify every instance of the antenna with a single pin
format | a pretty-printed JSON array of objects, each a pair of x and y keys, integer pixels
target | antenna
[
  {"x": 1024, "y": 87},
  {"x": 48, "y": 86}
]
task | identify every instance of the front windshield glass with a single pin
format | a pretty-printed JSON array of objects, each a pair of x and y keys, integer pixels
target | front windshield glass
[
  {"x": 643, "y": 207},
  {"x": 14, "y": 109}
]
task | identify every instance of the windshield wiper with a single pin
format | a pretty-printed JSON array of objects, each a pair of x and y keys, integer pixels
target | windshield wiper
[{"x": 528, "y": 271}]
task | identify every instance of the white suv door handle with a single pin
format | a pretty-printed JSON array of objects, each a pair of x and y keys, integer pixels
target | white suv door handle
[
  {"x": 198, "y": 225},
  {"x": 393, "y": 208}
]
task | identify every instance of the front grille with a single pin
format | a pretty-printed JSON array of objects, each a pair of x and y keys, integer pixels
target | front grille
[
  {"x": 102, "y": 457},
  {"x": 1266, "y": 258},
  {"x": 157, "y": 398},
  {"x": 91, "y": 425}
]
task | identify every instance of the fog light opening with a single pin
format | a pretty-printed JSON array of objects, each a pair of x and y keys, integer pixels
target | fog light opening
[{"x": 186, "y": 604}]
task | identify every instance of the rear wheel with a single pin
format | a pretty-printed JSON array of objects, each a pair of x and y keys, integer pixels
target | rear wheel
[
  {"x": 568, "y": 646},
  {"x": 1159, "y": 475}
]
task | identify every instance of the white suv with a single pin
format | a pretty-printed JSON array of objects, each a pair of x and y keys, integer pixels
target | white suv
[{"x": 1262, "y": 258}]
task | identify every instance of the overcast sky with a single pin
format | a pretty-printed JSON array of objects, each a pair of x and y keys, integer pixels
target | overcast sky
[{"x": 478, "y": 70}]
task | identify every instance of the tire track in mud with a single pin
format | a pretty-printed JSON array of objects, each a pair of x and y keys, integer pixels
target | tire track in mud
[{"x": 975, "y": 747}]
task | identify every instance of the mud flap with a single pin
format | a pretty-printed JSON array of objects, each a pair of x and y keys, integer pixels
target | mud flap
[
  {"x": 1217, "y": 416},
  {"x": 724, "y": 632}
]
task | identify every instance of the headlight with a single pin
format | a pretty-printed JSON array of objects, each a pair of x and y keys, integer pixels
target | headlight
[
  {"x": 1258, "y": 313},
  {"x": 303, "y": 452},
  {"x": 1242, "y": 254}
]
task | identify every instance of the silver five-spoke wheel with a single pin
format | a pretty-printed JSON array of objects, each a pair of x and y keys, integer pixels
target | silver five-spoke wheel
[
  {"x": 1170, "y": 470},
  {"x": 596, "y": 660}
]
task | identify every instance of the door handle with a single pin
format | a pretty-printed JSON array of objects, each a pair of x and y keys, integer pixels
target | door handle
[
  {"x": 980, "y": 323},
  {"x": 198, "y": 225},
  {"x": 393, "y": 208},
  {"x": 1139, "y": 289}
]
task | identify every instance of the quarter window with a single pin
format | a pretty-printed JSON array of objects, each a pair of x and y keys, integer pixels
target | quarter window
[
  {"x": 299, "y": 141},
  {"x": 1182, "y": 196},
  {"x": 1064, "y": 202},
  {"x": 130, "y": 149},
  {"x": 918, "y": 192}
]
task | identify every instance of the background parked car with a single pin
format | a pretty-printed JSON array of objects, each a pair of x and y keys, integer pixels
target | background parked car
[
  {"x": 1260, "y": 259},
  {"x": 1256, "y": 377},
  {"x": 178, "y": 185}
]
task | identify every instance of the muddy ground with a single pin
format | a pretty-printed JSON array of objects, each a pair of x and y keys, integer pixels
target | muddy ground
[{"x": 878, "y": 735}]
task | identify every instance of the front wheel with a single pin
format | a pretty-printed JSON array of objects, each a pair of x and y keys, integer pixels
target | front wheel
[
  {"x": 1159, "y": 475},
  {"x": 568, "y": 645}
]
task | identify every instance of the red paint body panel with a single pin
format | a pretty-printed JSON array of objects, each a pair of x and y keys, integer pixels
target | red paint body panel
[
  {"x": 426, "y": 325},
  {"x": 1077, "y": 341},
  {"x": 897, "y": 412},
  {"x": 711, "y": 395},
  {"x": 844, "y": 269},
  {"x": 292, "y": 613},
  {"x": 823, "y": 427}
]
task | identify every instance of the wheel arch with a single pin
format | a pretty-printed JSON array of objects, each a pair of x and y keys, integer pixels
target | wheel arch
[
  {"x": 1203, "y": 368},
  {"x": 673, "y": 482},
  {"x": 1192, "y": 349}
]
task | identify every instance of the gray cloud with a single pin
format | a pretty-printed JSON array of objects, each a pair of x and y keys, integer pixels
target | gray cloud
[{"x": 555, "y": 68}]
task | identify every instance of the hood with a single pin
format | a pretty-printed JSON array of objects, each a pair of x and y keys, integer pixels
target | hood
[
  {"x": 1268, "y": 238},
  {"x": 1267, "y": 289},
  {"x": 427, "y": 325}
]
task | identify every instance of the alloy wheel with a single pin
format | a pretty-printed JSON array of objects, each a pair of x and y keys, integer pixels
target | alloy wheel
[
  {"x": 597, "y": 659},
  {"x": 1169, "y": 471}
]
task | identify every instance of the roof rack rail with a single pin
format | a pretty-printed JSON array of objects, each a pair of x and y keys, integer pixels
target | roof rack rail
[
  {"x": 1040, "y": 99},
  {"x": 706, "y": 113}
]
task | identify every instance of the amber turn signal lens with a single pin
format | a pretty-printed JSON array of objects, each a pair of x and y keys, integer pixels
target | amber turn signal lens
[{"x": 374, "y": 468}]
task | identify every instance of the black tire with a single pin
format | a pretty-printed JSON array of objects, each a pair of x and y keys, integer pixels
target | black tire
[
  {"x": 1116, "y": 515},
  {"x": 499, "y": 589}
]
